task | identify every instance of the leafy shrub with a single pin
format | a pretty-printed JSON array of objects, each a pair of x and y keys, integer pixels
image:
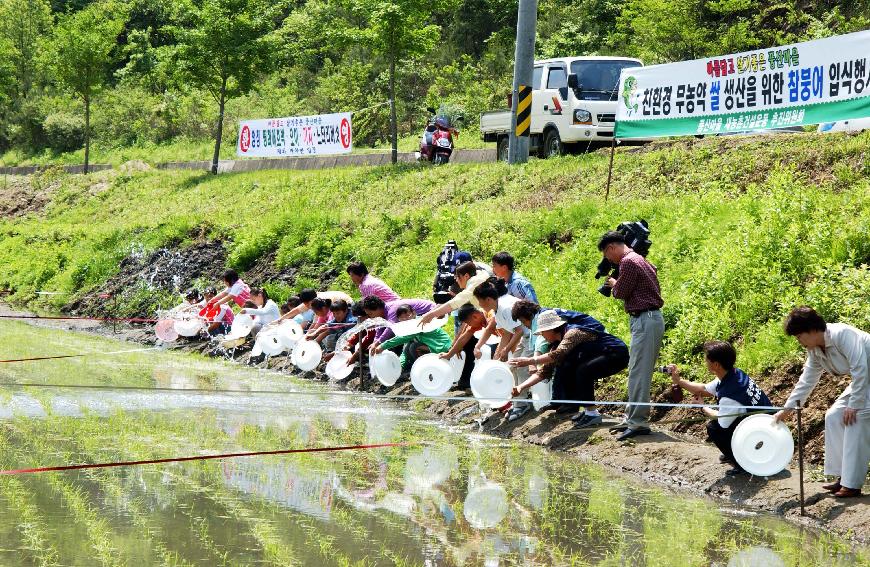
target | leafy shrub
[{"x": 64, "y": 132}]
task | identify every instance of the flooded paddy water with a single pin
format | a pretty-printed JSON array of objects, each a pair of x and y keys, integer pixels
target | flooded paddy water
[{"x": 454, "y": 499}]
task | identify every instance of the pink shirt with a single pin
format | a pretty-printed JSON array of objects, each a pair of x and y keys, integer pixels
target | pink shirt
[
  {"x": 371, "y": 285},
  {"x": 240, "y": 292}
]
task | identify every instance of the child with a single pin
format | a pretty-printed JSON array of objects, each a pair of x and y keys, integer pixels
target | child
[
  {"x": 300, "y": 311},
  {"x": 322, "y": 316},
  {"x": 218, "y": 318},
  {"x": 364, "y": 338},
  {"x": 236, "y": 290},
  {"x": 418, "y": 344},
  {"x": 341, "y": 321},
  {"x": 471, "y": 320},
  {"x": 265, "y": 311}
]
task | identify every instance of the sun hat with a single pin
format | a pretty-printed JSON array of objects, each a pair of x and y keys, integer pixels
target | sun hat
[{"x": 548, "y": 320}]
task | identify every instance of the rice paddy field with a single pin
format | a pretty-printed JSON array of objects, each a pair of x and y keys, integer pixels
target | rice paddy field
[{"x": 448, "y": 498}]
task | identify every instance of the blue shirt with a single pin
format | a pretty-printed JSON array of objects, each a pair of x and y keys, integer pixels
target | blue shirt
[{"x": 521, "y": 288}]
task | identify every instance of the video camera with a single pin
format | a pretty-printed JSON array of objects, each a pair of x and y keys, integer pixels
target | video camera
[
  {"x": 636, "y": 236},
  {"x": 444, "y": 278}
]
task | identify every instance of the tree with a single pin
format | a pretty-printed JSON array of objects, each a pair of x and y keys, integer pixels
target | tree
[
  {"x": 223, "y": 47},
  {"x": 22, "y": 24},
  {"x": 80, "y": 52},
  {"x": 397, "y": 30}
]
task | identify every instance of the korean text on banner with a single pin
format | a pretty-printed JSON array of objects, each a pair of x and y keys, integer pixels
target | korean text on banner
[
  {"x": 325, "y": 134},
  {"x": 824, "y": 80}
]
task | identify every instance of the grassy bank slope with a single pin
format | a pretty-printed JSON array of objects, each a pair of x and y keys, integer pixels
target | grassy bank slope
[{"x": 743, "y": 229}]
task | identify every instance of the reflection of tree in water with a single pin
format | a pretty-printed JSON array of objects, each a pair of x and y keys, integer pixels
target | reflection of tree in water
[{"x": 309, "y": 492}]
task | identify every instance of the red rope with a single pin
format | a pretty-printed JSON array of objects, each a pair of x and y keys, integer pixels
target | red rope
[
  {"x": 43, "y": 358},
  {"x": 201, "y": 458},
  {"x": 106, "y": 319}
]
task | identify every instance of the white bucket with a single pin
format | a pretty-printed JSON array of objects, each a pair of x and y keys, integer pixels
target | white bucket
[
  {"x": 762, "y": 446},
  {"x": 270, "y": 343},
  {"x": 241, "y": 328},
  {"x": 307, "y": 355},
  {"x": 387, "y": 367},
  {"x": 338, "y": 368},
  {"x": 412, "y": 326},
  {"x": 542, "y": 393},
  {"x": 457, "y": 363},
  {"x": 188, "y": 327},
  {"x": 289, "y": 332},
  {"x": 431, "y": 376},
  {"x": 492, "y": 382}
]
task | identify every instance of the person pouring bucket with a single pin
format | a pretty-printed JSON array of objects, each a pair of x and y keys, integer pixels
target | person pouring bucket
[
  {"x": 733, "y": 390},
  {"x": 576, "y": 357},
  {"x": 837, "y": 349}
]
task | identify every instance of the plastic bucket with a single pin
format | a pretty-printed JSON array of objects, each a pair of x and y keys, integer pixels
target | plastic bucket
[
  {"x": 270, "y": 342},
  {"x": 492, "y": 340},
  {"x": 188, "y": 327},
  {"x": 457, "y": 363},
  {"x": 165, "y": 330},
  {"x": 412, "y": 326},
  {"x": 762, "y": 446},
  {"x": 307, "y": 355},
  {"x": 386, "y": 367},
  {"x": 542, "y": 393},
  {"x": 431, "y": 376},
  {"x": 338, "y": 368},
  {"x": 241, "y": 328},
  {"x": 290, "y": 332},
  {"x": 492, "y": 382}
]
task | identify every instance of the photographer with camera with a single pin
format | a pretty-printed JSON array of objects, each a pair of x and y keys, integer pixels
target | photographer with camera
[
  {"x": 638, "y": 286},
  {"x": 734, "y": 391}
]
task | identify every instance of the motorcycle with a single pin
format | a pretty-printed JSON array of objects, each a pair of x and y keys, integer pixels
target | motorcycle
[{"x": 436, "y": 145}]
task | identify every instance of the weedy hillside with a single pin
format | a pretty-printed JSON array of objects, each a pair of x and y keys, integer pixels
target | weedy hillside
[{"x": 743, "y": 229}]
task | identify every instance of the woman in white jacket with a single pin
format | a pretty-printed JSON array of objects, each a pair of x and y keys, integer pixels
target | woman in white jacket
[
  {"x": 838, "y": 349},
  {"x": 266, "y": 312}
]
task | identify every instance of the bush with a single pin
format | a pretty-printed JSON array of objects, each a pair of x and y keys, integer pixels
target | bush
[{"x": 64, "y": 132}]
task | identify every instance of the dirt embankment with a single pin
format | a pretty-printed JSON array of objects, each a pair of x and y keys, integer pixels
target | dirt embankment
[
  {"x": 167, "y": 272},
  {"x": 20, "y": 196},
  {"x": 674, "y": 455}
]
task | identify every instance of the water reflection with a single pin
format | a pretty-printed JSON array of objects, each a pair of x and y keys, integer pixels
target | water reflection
[
  {"x": 455, "y": 500},
  {"x": 304, "y": 491}
]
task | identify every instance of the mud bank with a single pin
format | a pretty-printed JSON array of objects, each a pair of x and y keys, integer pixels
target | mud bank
[{"x": 677, "y": 459}]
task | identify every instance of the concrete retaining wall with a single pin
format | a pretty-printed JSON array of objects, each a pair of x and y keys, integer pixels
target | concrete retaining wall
[
  {"x": 31, "y": 169},
  {"x": 305, "y": 163}
]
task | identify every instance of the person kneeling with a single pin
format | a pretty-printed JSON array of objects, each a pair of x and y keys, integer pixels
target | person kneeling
[
  {"x": 576, "y": 358},
  {"x": 734, "y": 391},
  {"x": 415, "y": 345}
]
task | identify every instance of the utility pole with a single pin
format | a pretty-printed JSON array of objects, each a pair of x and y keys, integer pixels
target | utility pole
[{"x": 524, "y": 62}]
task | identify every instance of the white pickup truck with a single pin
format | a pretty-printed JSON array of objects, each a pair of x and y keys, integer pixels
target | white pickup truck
[{"x": 574, "y": 102}]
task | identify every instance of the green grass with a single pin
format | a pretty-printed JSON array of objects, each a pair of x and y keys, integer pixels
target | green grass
[{"x": 743, "y": 229}]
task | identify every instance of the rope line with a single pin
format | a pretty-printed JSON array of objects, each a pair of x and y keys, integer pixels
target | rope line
[
  {"x": 367, "y": 395},
  {"x": 201, "y": 458}
]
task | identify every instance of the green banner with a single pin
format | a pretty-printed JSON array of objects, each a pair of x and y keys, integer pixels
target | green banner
[{"x": 744, "y": 121}]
